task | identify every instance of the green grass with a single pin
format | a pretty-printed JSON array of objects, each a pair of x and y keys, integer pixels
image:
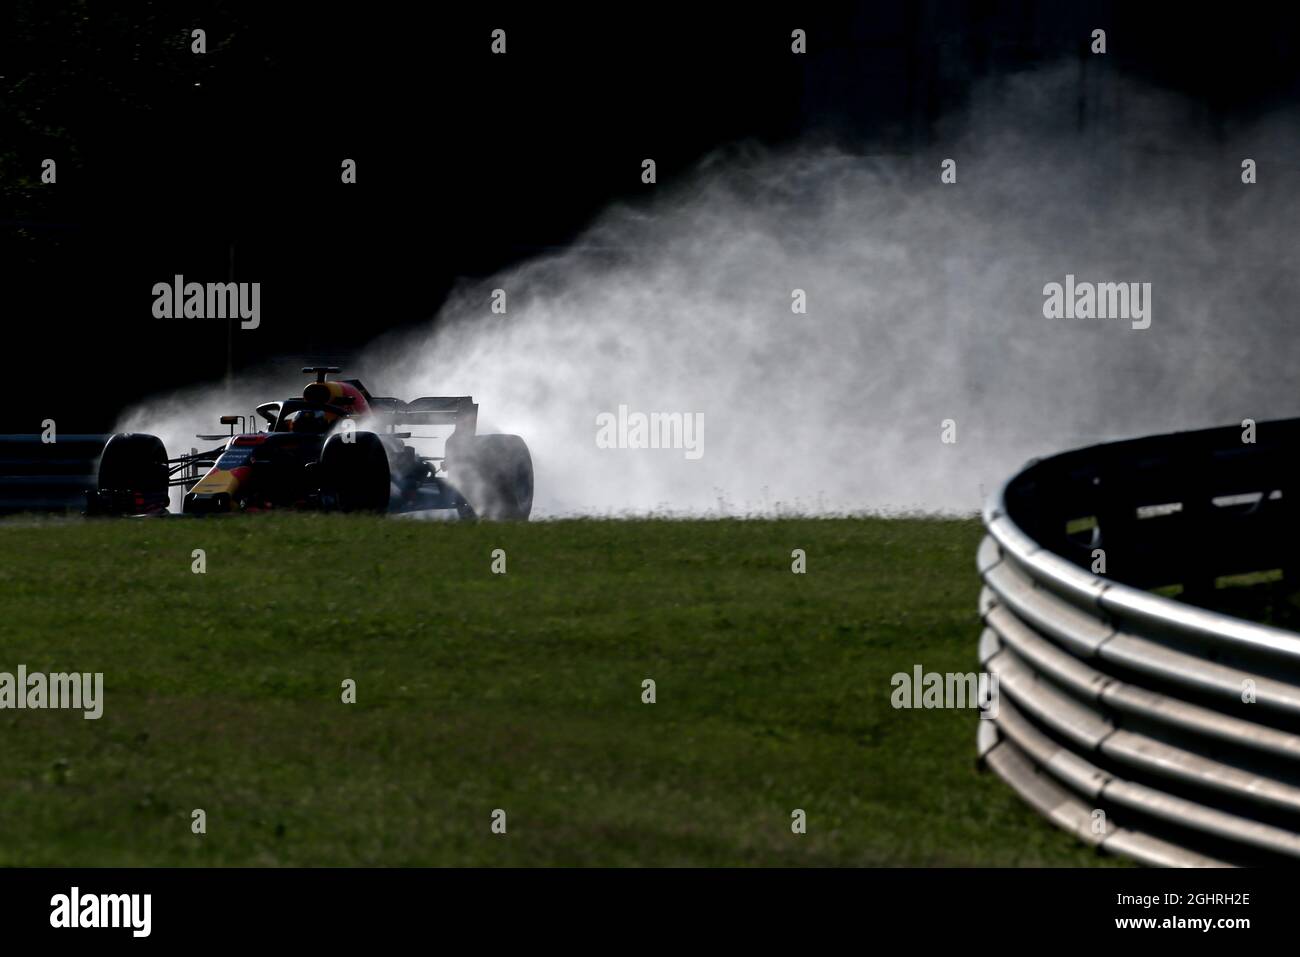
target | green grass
[{"x": 478, "y": 691}]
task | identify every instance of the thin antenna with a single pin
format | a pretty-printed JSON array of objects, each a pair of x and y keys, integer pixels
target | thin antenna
[{"x": 230, "y": 326}]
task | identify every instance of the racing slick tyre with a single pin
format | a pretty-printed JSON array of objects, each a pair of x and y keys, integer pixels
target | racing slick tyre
[
  {"x": 495, "y": 475},
  {"x": 355, "y": 474},
  {"x": 132, "y": 476}
]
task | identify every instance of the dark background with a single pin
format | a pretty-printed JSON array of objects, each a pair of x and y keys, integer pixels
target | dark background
[{"x": 171, "y": 162}]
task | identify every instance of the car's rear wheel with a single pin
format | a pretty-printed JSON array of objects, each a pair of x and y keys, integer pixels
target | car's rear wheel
[
  {"x": 494, "y": 473},
  {"x": 354, "y": 472}
]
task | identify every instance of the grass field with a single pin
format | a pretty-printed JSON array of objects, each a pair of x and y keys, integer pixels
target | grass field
[{"x": 478, "y": 691}]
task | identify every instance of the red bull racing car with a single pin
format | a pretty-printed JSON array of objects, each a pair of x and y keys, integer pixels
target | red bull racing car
[{"x": 336, "y": 448}]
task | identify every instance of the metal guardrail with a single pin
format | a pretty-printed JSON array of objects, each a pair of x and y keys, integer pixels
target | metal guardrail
[
  {"x": 39, "y": 476},
  {"x": 1149, "y": 726}
]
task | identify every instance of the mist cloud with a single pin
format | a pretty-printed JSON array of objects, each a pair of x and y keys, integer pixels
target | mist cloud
[{"x": 924, "y": 303}]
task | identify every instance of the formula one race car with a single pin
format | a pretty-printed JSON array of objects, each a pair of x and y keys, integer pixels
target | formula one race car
[{"x": 337, "y": 448}]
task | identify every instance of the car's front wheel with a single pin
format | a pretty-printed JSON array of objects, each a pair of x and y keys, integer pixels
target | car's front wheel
[
  {"x": 132, "y": 478},
  {"x": 354, "y": 472}
]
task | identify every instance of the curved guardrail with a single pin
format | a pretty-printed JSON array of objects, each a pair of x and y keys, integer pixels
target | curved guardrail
[
  {"x": 1150, "y": 726},
  {"x": 39, "y": 474}
]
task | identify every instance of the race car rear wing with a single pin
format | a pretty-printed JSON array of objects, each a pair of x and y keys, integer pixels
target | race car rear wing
[{"x": 458, "y": 410}]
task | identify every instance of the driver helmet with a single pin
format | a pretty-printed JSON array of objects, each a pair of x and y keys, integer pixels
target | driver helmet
[{"x": 309, "y": 421}]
